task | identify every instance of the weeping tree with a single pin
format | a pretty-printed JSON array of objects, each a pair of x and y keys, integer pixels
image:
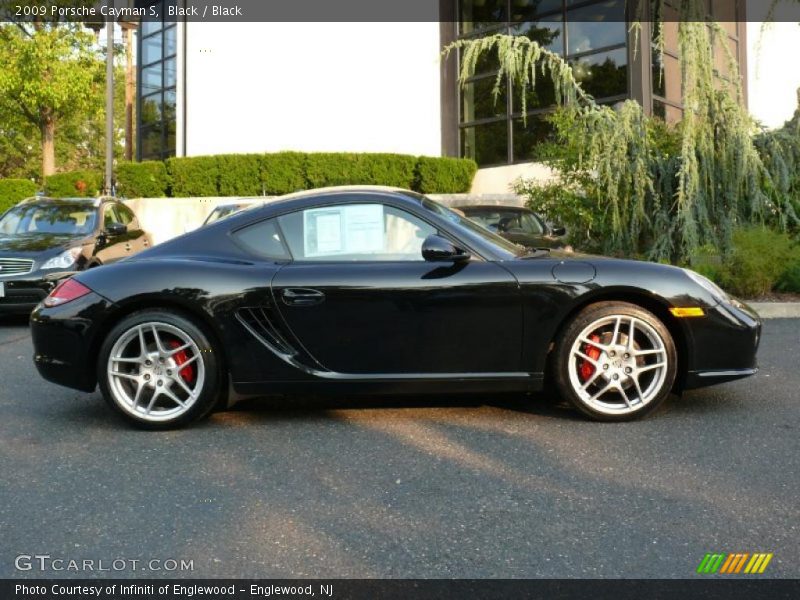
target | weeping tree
[{"x": 649, "y": 198}]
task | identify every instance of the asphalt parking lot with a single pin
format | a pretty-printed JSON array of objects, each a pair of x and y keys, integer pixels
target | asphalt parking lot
[{"x": 422, "y": 487}]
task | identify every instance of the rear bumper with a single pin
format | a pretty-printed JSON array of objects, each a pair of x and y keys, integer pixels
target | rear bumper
[
  {"x": 63, "y": 341},
  {"x": 725, "y": 345}
]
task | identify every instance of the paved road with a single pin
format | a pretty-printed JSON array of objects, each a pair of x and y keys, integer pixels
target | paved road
[{"x": 480, "y": 487}]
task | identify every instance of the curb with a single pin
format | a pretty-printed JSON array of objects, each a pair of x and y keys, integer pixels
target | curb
[{"x": 776, "y": 310}]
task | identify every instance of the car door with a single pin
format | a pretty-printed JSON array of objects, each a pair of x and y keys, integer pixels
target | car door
[
  {"x": 111, "y": 246},
  {"x": 361, "y": 300}
]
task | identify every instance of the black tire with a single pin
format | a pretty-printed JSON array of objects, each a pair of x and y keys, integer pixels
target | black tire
[
  {"x": 613, "y": 367},
  {"x": 207, "y": 388}
]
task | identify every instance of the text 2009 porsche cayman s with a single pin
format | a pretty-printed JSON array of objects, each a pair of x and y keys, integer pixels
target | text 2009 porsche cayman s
[{"x": 382, "y": 290}]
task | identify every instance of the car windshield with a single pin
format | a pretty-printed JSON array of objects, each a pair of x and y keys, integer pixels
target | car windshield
[
  {"x": 502, "y": 246},
  {"x": 49, "y": 219},
  {"x": 507, "y": 221}
]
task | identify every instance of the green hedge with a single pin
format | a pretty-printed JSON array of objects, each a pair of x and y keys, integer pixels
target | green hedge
[
  {"x": 14, "y": 190},
  {"x": 142, "y": 180},
  {"x": 285, "y": 172},
  {"x": 444, "y": 175},
  {"x": 336, "y": 168},
  {"x": 74, "y": 184},
  {"x": 193, "y": 176}
]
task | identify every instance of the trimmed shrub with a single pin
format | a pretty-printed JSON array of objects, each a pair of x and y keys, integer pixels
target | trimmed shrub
[
  {"x": 142, "y": 180},
  {"x": 283, "y": 173},
  {"x": 74, "y": 184},
  {"x": 12, "y": 191},
  {"x": 444, "y": 175},
  {"x": 239, "y": 174},
  {"x": 193, "y": 176},
  {"x": 328, "y": 168}
]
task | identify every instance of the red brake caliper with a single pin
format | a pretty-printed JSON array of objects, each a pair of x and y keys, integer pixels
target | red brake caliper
[
  {"x": 586, "y": 368},
  {"x": 180, "y": 357}
]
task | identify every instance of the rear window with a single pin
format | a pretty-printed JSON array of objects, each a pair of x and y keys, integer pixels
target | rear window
[{"x": 262, "y": 239}]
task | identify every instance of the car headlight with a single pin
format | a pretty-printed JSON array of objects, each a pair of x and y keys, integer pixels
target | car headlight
[
  {"x": 64, "y": 260},
  {"x": 712, "y": 288}
]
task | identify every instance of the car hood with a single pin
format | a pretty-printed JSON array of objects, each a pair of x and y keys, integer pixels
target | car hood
[{"x": 31, "y": 245}]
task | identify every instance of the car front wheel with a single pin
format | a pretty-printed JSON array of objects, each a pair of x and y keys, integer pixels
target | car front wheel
[
  {"x": 615, "y": 362},
  {"x": 157, "y": 369}
]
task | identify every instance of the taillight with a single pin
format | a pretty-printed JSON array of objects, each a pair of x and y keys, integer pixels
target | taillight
[{"x": 66, "y": 291}]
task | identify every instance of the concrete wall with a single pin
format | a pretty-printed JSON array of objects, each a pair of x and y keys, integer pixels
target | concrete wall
[
  {"x": 342, "y": 87},
  {"x": 166, "y": 218}
]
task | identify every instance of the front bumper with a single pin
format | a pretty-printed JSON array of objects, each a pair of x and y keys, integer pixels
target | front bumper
[
  {"x": 724, "y": 345},
  {"x": 22, "y": 293}
]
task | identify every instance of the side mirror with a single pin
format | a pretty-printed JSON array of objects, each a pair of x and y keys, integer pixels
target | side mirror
[
  {"x": 116, "y": 229},
  {"x": 559, "y": 230},
  {"x": 435, "y": 248}
]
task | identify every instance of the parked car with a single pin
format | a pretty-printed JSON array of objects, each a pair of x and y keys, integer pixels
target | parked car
[
  {"x": 226, "y": 210},
  {"x": 43, "y": 240},
  {"x": 520, "y": 225},
  {"x": 379, "y": 289}
]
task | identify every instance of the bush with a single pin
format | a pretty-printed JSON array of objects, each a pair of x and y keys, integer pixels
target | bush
[
  {"x": 325, "y": 169},
  {"x": 790, "y": 279},
  {"x": 142, "y": 180},
  {"x": 14, "y": 190},
  {"x": 444, "y": 175},
  {"x": 74, "y": 184},
  {"x": 193, "y": 176},
  {"x": 283, "y": 173},
  {"x": 239, "y": 174}
]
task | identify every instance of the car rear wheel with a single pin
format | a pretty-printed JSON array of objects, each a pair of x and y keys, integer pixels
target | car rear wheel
[
  {"x": 615, "y": 362},
  {"x": 157, "y": 369}
]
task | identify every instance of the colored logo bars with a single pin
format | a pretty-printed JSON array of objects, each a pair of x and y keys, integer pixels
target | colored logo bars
[{"x": 732, "y": 564}]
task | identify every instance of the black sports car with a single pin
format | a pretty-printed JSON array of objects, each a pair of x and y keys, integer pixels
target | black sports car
[
  {"x": 517, "y": 224},
  {"x": 43, "y": 240},
  {"x": 382, "y": 290}
]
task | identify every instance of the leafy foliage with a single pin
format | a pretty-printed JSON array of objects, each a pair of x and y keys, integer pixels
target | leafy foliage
[
  {"x": 444, "y": 175},
  {"x": 74, "y": 184},
  {"x": 14, "y": 190},
  {"x": 341, "y": 168},
  {"x": 193, "y": 176},
  {"x": 239, "y": 174},
  {"x": 283, "y": 173},
  {"x": 142, "y": 180}
]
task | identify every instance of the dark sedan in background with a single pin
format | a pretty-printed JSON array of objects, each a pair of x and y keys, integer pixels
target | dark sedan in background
[
  {"x": 382, "y": 290},
  {"x": 517, "y": 224},
  {"x": 43, "y": 240}
]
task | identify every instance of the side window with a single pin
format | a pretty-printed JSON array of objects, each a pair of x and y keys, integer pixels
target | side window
[
  {"x": 110, "y": 216},
  {"x": 355, "y": 232},
  {"x": 125, "y": 214},
  {"x": 262, "y": 239}
]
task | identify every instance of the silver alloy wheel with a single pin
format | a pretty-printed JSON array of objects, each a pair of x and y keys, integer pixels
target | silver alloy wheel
[
  {"x": 147, "y": 372},
  {"x": 618, "y": 364}
]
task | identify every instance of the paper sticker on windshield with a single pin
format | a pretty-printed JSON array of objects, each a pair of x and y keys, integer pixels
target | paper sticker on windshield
[{"x": 343, "y": 230}]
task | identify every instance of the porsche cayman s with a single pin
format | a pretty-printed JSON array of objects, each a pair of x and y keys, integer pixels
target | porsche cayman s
[{"x": 380, "y": 290}]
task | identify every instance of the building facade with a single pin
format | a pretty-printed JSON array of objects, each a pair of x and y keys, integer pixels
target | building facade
[{"x": 211, "y": 88}]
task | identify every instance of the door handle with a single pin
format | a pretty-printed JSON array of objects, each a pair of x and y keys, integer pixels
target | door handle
[{"x": 301, "y": 296}]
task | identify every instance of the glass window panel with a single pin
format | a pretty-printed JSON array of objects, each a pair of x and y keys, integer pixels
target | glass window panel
[
  {"x": 486, "y": 144},
  {"x": 541, "y": 95},
  {"x": 169, "y": 105},
  {"x": 667, "y": 82},
  {"x": 549, "y": 34},
  {"x": 528, "y": 137},
  {"x": 151, "y": 109},
  {"x": 151, "y": 142},
  {"x": 151, "y": 49},
  {"x": 169, "y": 149},
  {"x": 149, "y": 27},
  {"x": 170, "y": 72},
  {"x": 151, "y": 79},
  {"x": 596, "y": 26},
  {"x": 263, "y": 239},
  {"x": 525, "y": 10},
  {"x": 604, "y": 74},
  {"x": 478, "y": 14},
  {"x": 478, "y": 101},
  {"x": 668, "y": 113},
  {"x": 487, "y": 63},
  {"x": 170, "y": 42}
]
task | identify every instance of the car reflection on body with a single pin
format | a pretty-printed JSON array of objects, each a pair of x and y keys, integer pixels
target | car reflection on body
[
  {"x": 43, "y": 240},
  {"x": 374, "y": 290}
]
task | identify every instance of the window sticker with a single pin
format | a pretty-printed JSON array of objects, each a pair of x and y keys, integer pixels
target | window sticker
[{"x": 343, "y": 230}]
